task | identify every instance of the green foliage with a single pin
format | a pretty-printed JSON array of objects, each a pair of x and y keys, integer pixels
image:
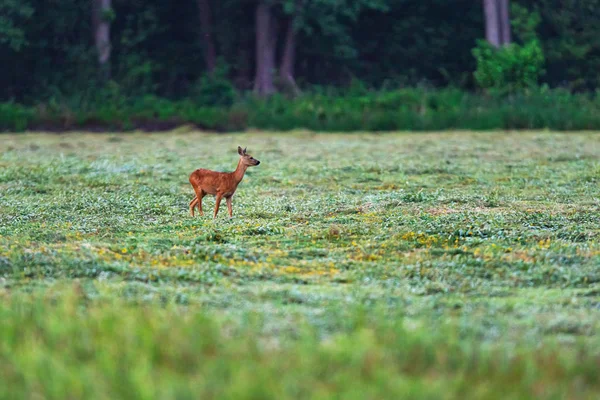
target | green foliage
[
  {"x": 332, "y": 20},
  {"x": 509, "y": 69},
  {"x": 524, "y": 24},
  {"x": 13, "y": 14},
  {"x": 416, "y": 42},
  {"x": 157, "y": 46},
  {"x": 109, "y": 15},
  {"x": 15, "y": 117},
  {"x": 136, "y": 68},
  {"x": 215, "y": 90},
  {"x": 515, "y": 67},
  {"x": 357, "y": 109},
  {"x": 568, "y": 32}
]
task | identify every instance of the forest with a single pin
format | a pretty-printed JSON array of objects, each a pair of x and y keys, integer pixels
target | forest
[{"x": 230, "y": 64}]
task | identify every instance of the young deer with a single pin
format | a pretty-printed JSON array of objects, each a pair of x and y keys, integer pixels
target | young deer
[{"x": 219, "y": 184}]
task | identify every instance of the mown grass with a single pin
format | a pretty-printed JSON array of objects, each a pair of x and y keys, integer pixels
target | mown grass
[{"x": 356, "y": 266}]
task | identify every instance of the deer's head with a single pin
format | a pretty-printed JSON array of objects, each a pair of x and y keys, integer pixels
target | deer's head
[{"x": 247, "y": 159}]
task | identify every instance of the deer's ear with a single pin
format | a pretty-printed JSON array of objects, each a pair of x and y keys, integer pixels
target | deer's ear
[
  {"x": 245, "y": 150},
  {"x": 240, "y": 151}
]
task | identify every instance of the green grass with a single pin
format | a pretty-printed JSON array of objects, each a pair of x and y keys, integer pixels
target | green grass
[{"x": 356, "y": 266}]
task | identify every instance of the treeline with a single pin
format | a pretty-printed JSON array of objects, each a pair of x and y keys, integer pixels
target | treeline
[{"x": 63, "y": 61}]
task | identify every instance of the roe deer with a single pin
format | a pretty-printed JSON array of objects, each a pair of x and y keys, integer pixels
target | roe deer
[{"x": 219, "y": 184}]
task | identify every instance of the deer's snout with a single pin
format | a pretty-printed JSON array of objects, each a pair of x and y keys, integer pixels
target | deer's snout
[{"x": 257, "y": 162}]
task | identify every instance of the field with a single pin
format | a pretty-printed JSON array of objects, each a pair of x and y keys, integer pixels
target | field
[{"x": 430, "y": 265}]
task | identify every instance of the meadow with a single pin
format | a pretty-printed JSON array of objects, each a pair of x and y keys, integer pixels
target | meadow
[{"x": 428, "y": 265}]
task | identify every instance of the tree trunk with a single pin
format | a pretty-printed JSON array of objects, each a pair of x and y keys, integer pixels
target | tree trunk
[
  {"x": 492, "y": 22},
  {"x": 210, "y": 57},
  {"x": 101, "y": 22},
  {"x": 243, "y": 79},
  {"x": 504, "y": 15},
  {"x": 286, "y": 70},
  {"x": 265, "y": 51}
]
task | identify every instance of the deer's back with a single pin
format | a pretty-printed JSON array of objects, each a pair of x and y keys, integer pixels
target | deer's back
[{"x": 210, "y": 181}]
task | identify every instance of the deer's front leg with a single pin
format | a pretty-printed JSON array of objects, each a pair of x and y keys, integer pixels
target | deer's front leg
[
  {"x": 229, "y": 207},
  {"x": 217, "y": 204}
]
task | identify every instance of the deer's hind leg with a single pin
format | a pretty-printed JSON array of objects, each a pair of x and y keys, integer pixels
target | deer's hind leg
[
  {"x": 193, "y": 204},
  {"x": 197, "y": 201}
]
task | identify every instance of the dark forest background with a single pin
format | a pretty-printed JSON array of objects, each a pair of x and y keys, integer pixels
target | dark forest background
[{"x": 322, "y": 64}]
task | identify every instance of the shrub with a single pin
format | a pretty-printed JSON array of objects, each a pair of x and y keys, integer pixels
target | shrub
[
  {"x": 509, "y": 69},
  {"x": 15, "y": 117},
  {"x": 403, "y": 109},
  {"x": 214, "y": 90}
]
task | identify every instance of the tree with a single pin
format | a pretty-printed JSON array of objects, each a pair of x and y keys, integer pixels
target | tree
[
  {"x": 286, "y": 69},
  {"x": 330, "y": 17},
  {"x": 210, "y": 56},
  {"x": 497, "y": 22},
  {"x": 102, "y": 15},
  {"x": 505, "y": 21},
  {"x": 265, "y": 50}
]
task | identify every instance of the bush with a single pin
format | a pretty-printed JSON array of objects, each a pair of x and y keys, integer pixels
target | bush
[
  {"x": 404, "y": 109},
  {"x": 509, "y": 69},
  {"x": 214, "y": 90},
  {"x": 15, "y": 117}
]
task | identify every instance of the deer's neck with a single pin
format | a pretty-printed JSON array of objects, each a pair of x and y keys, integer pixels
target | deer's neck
[{"x": 239, "y": 172}]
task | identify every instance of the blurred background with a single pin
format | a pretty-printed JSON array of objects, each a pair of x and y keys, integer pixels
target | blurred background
[{"x": 206, "y": 62}]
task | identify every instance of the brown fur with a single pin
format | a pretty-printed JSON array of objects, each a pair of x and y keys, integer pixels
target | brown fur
[{"x": 219, "y": 184}]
